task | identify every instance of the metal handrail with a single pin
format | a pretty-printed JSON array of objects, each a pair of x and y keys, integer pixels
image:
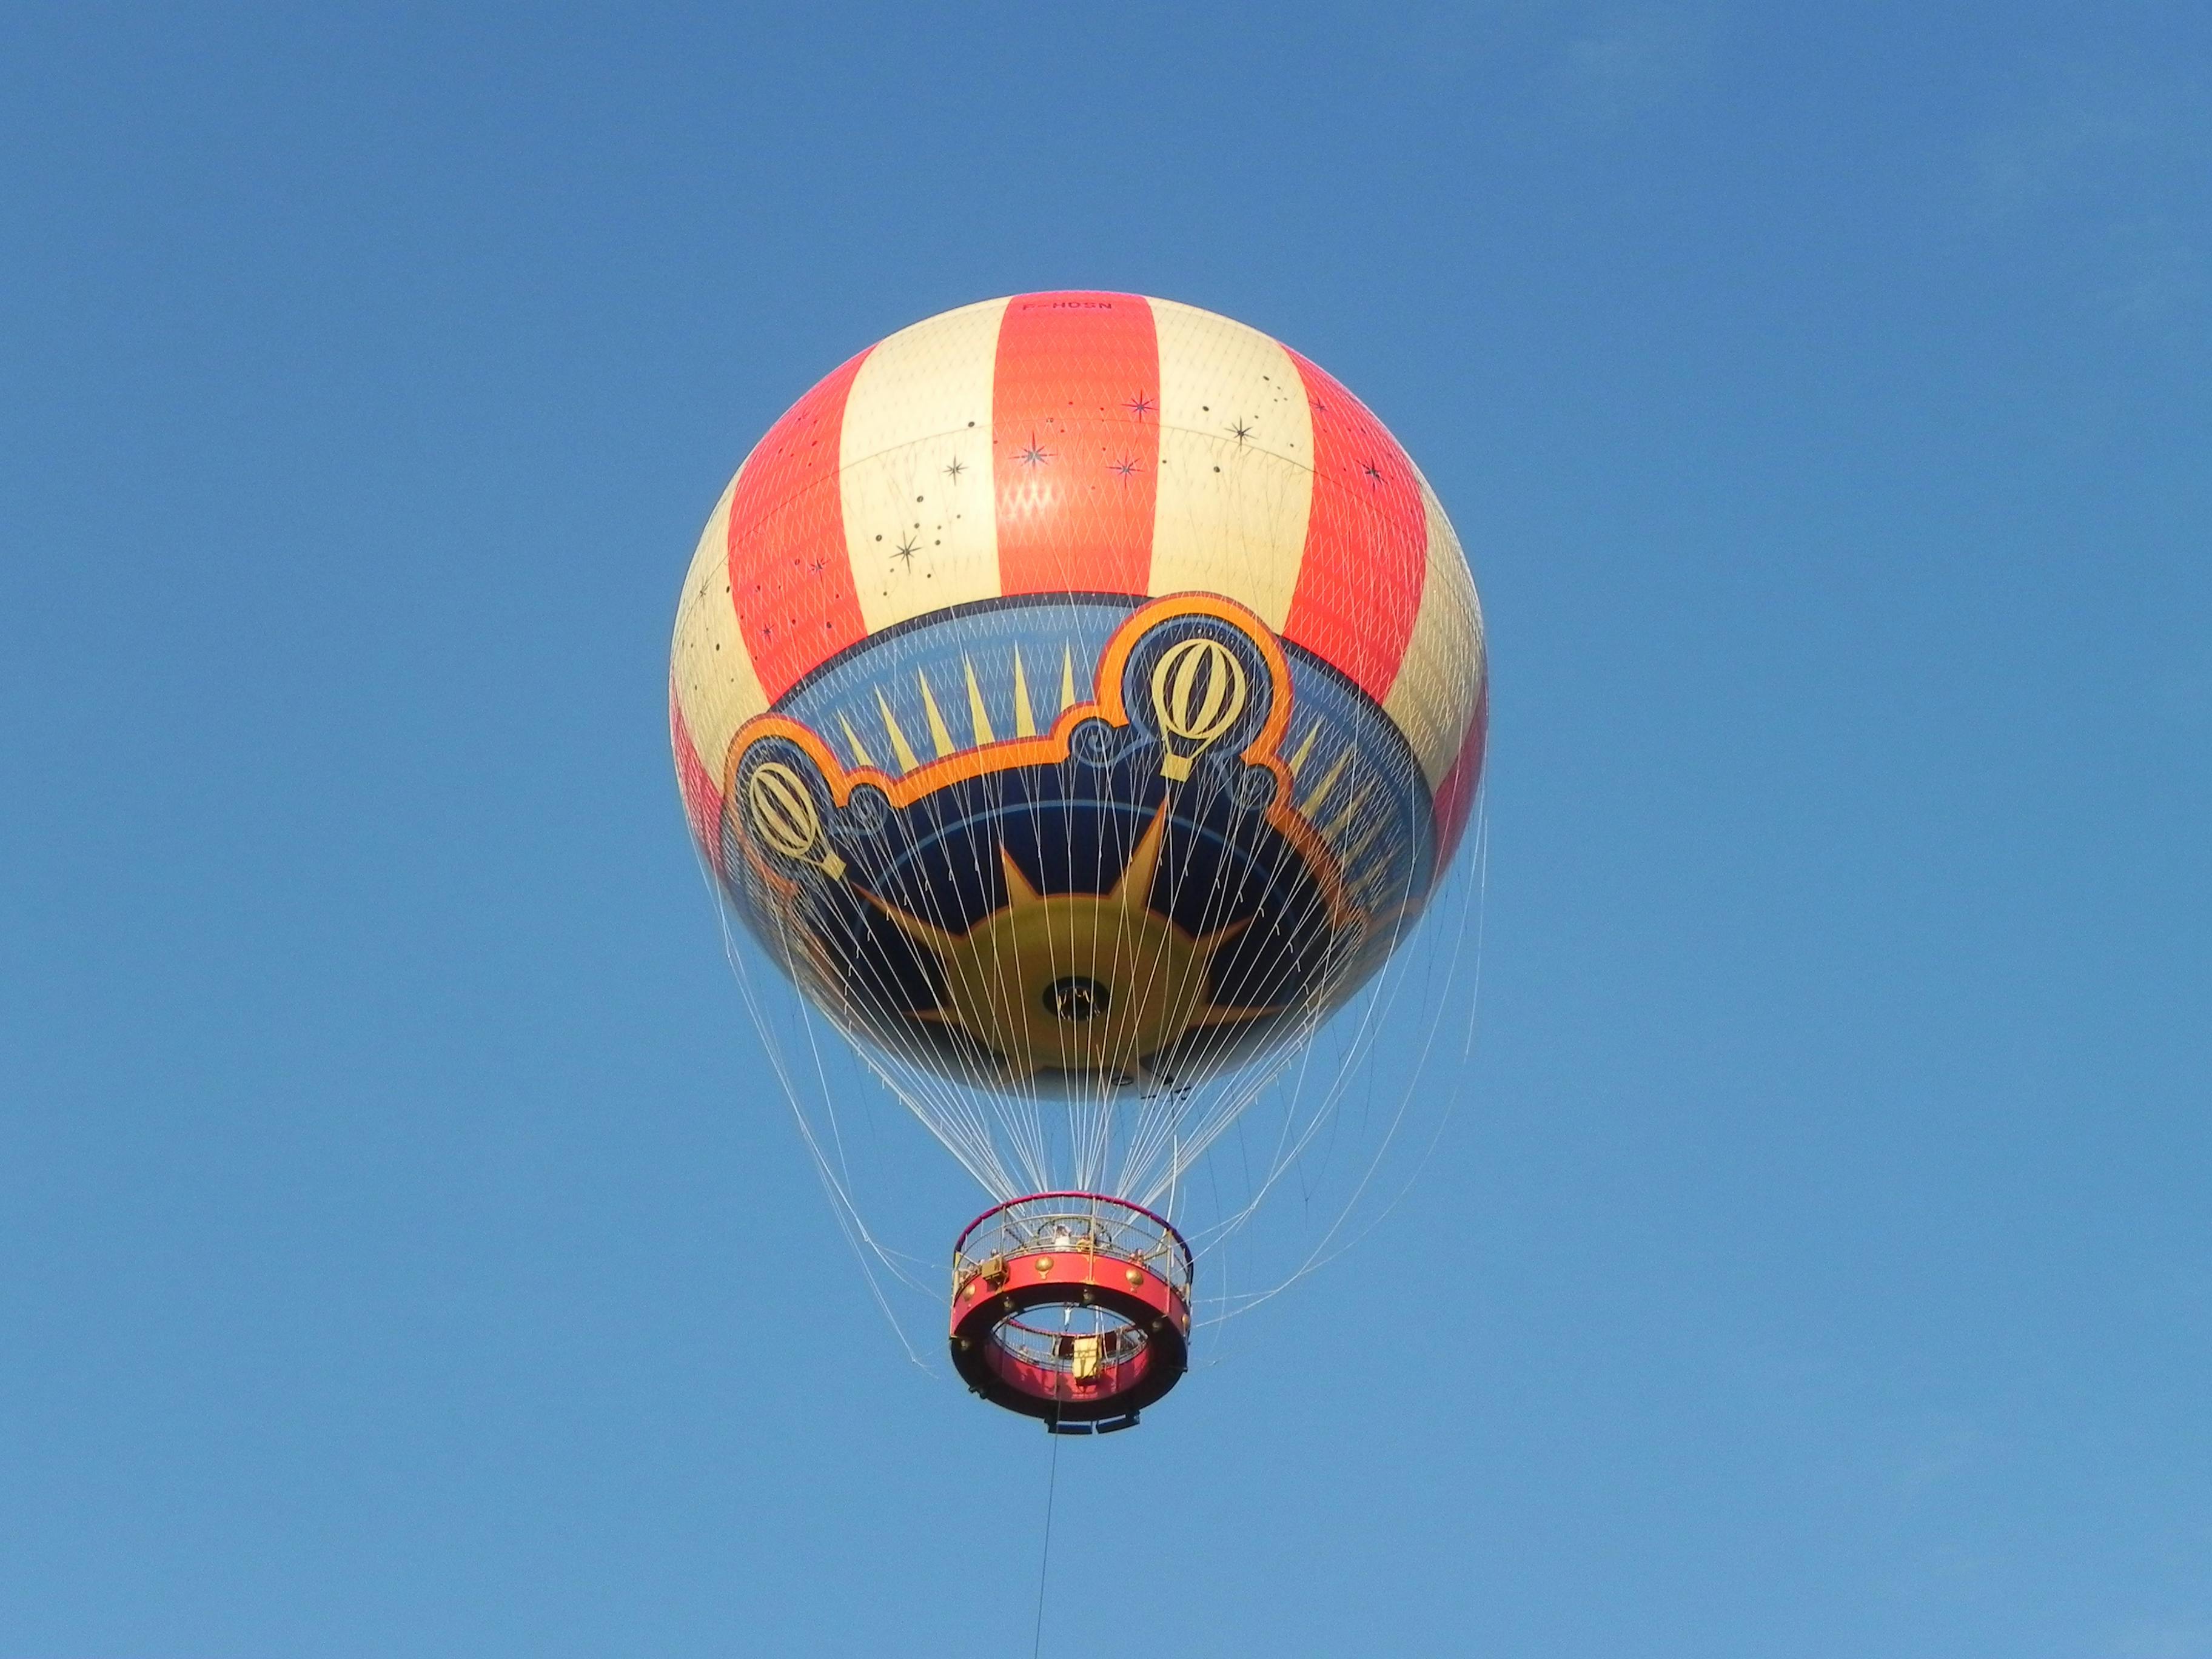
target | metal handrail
[
  {"x": 1021, "y": 1230},
  {"x": 1057, "y": 1351}
]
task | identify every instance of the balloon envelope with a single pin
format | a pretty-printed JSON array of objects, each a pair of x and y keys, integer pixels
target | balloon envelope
[{"x": 1076, "y": 695}]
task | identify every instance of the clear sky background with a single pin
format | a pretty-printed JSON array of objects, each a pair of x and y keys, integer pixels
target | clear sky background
[{"x": 398, "y": 1254}]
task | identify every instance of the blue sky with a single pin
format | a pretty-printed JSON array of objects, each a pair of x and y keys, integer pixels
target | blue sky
[{"x": 398, "y": 1255}]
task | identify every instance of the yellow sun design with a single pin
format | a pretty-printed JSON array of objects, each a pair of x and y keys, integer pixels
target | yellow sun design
[{"x": 1092, "y": 984}]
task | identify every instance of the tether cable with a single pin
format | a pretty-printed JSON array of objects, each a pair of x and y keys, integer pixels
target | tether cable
[{"x": 1051, "y": 1485}]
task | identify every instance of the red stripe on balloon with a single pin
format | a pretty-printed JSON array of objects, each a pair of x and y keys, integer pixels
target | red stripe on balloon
[
  {"x": 1367, "y": 541},
  {"x": 702, "y": 795},
  {"x": 1455, "y": 794},
  {"x": 790, "y": 574},
  {"x": 1075, "y": 440}
]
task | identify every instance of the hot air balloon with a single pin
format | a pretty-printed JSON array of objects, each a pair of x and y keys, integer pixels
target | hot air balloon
[{"x": 1077, "y": 697}]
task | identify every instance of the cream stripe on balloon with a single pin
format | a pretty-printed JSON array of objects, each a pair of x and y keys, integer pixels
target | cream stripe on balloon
[
  {"x": 921, "y": 522},
  {"x": 1433, "y": 696},
  {"x": 715, "y": 685},
  {"x": 1235, "y": 463}
]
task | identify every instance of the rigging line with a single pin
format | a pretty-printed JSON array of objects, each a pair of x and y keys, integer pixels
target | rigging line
[
  {"x": 1304, "y": 1117},
  {"x": 1013, "y": 1104},
  {"x": 1359, "y": 1040},
  {"x": 828, "y": 1103},
  {"x": 948, "y": 1108},
  {"x": 1302, "y": 1016},
  {"x": 913, "y": 893},
  {"x": 1195, "y": 1052},
  {"x": 1206, "y": 1119},
  {"x": 842, "y": 1208},
  {"x": 1203, "y": 1101},
  {"x": 1201, "y": 1127},
  {"x": 1015, "y": 1116},
  {"x": 1196, "y": 1059},
  {"x": 1029, "y": 1106},
  {"x": 1481, "y": 915},
  {"x": 937, "y": 1103},
  {"x": 1067, "y": 1109},
  {"x": 1306, "y": 1120},
  {"x": 1322, "y": 1255},
  {"x": 1208, "y": 1114},
  {"x": 968, "y": 1141}
]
